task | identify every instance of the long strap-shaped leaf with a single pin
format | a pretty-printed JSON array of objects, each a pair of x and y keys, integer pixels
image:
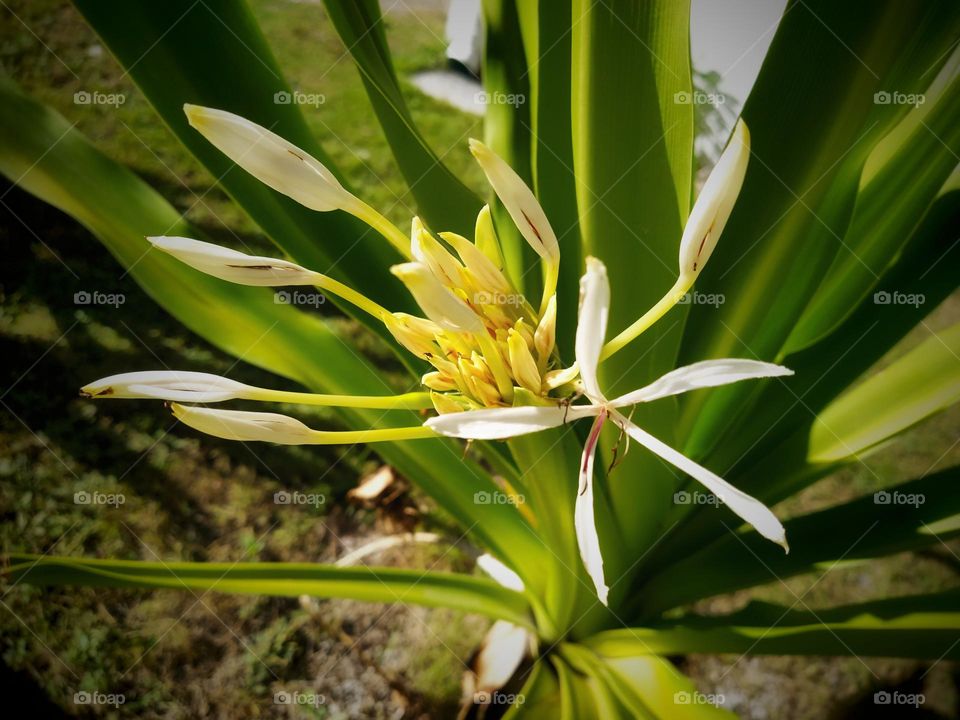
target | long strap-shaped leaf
[
  {"x": 40, "y": 151},
  {"x": 213, "y": 53},
  {"x": 915, "y": 626},
  {"x": 801, "y": 184},
  {"x": 632, "y": 151},
  {"x": 906, "y": 517},
  {"x": 373, "y": 584},
  {"x": 444, "y": 201}
]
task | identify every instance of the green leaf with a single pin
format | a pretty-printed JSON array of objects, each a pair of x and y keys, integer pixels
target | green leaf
[
  {"x": 886, "y": 215},
  {"x": 920, "y": 384},
  {"x": 444, "y": 201},
  {"x": 915, "y": 626},
  {"x": 633, "y": 155},
  {"x": 212, "y": 53},
  {"x": 373, "y": 584},
  {"x": 908, "y": 516},
  {"x": 507, "y": 130},
  {"x": 798, "y": 196}
]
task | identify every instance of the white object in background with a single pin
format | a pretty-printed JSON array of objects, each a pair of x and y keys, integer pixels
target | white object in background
[{"x": 464, "y": 32}]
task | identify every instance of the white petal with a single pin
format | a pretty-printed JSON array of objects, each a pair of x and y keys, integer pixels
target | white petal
[
  {"x": 715, "y": 203},
  {"x": 244, "y": 426},
  {"x": 500, "y": 423},
  {"x": 519, "y": 201},
  {"x": 748, "y": 508},
  {"x": 592, "y": 325},
  {"x": 173, "y": 385},
  {"x": 500, "y": 572},
  {"x": 436, "y": 301},
  {"x": 271, "y": 159},
  {"x": 501, "y": 653},
  {"x": 708, "y": 373},
  {"x": 584, "y": 519},
  {"x": 234, "y": 266}
]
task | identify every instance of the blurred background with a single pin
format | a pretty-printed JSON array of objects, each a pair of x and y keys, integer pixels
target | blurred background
[{"x": 180, "y": 495}]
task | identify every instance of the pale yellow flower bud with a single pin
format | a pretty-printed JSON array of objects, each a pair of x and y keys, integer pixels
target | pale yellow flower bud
[
  {"x": 521, "y": 361},
  {"x": 545, "y": 338},
  {"x": 438, "y": 302}
]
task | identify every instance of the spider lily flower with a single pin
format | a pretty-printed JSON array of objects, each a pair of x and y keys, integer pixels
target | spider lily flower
[
  {"x": 702, "y": 231},
  {"x": 501, "y": 423},
  {"x": 284, "y": 167},
  {"x": 527, "y": 214},
  {"x": 237, "y": 267},
  {"x": 199, "y": 387},
  {"x": 281, "y": 429}
]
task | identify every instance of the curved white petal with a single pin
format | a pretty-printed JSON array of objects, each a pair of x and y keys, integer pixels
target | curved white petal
[
  {"x": 708, "y": 373},
  {"x": 500, "y": 572},
  {"x": 519, "y": 201},
  {"x": 592, "y": 325},
  {"x": 173, "y": 385},
  {"x": 243, "y": 425},
  {"x": 715, "y": 203},
  {"x": 232, "y": 265},
  {"x": 501, "y": 653},
  {"x": 437, "y": 302},
  {"x": 748, "y": 508},
  {"x": 271, "y": 159},
  {"x": 500, "y": 423},
  {"x": 584, "y": 519}
]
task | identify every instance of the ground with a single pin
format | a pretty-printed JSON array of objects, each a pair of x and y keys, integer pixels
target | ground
[{"x": 180, "y": 654}]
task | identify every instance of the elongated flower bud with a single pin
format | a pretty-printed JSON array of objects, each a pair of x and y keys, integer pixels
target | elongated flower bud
[
  {"x": 425, "y": 249},
  {"x": 715, "y": 203},
  {"x": 482, "y": 269},
  {"x": 232, "y": 265},
  {"x": 519, "y": 201},
  {"x": 439, "y": 304},
  {"x": 415, "y": 334},
  {"x": 244, "y": 426},
  {"x": 522, "y": 362},
  {"x": 485, "y": 236},
  {"x": 545, "y": 337},
  {"x": 173, "y": 385},
  {"x": 436, "y": 380},
  {"x": 271, "y": 159}
]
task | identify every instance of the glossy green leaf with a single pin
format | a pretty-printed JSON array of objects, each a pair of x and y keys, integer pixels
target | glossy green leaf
[
  {"x": 373, "y": 584},
  {"x": 444, "y": 201},
  {"x": 921, "y": 383},
  {"x": 915, "y": 626},
  {"x": 905, "y": 517}
]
